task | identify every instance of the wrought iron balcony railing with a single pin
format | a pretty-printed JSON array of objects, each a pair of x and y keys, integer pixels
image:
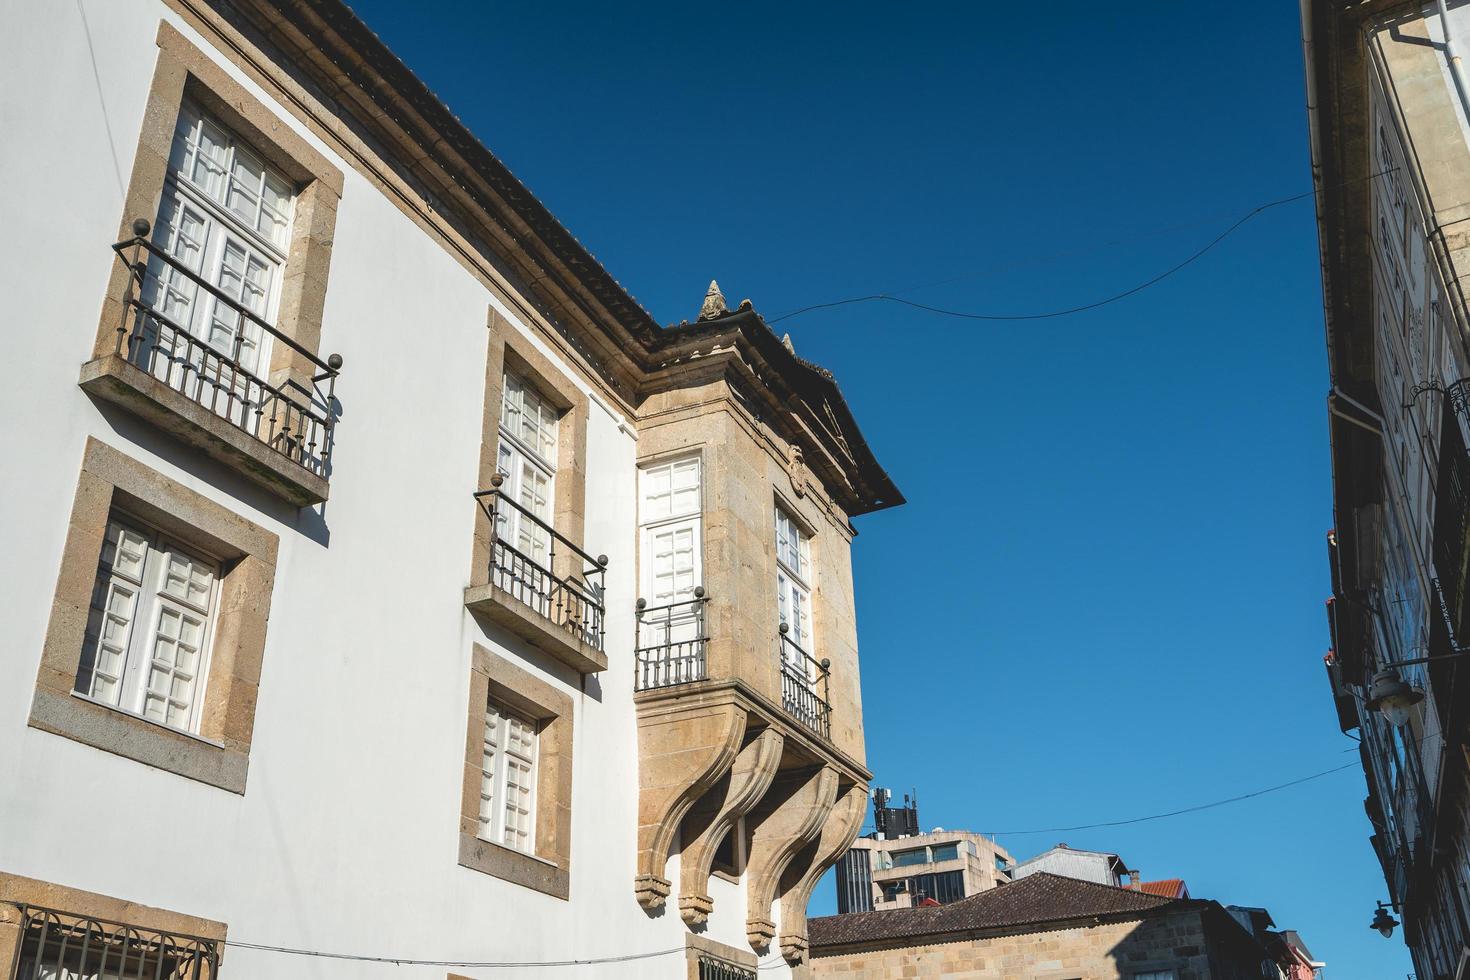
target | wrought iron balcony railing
[
  {"x": 543, "y": 569},
  {"x": 294, "y": 419},
  {"x": 60, "y": 944},
  {"x": 804, "y": 689},
  {"x": 671, "y": 643}
]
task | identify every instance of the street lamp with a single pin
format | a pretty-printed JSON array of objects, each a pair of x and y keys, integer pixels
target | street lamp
[
  {"x": 1392, "y": 695},
  {"x": 1383, "y": 922}
]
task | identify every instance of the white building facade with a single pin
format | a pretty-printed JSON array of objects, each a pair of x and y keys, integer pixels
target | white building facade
[{"x": 316, "y": 647}]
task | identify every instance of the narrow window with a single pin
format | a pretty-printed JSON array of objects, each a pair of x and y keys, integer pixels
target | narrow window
[
  {"x": 508, "y": 780},
  {"x": 670, "y": 622},
  {"x": 149, "y": 626},
  {"x": 793, "y": 591},
  {"x": 224, "y": 224},
  {"x": 527, "y": 461}
]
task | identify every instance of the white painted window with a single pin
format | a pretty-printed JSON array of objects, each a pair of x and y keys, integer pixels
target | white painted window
[
  {"x": 670, "y": 506},
  {"x": 527, "y": 461},
  {"x": 670, "y": 512},
  {"x": 793, "y": 587},
  {"x": 508, "y": 780},
  {"x": 226, "y": 217},
  {"x": 148, "y": 629}
]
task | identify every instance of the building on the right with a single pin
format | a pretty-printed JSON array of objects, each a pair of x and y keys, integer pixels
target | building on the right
[{"x": 1387, "y": 97}]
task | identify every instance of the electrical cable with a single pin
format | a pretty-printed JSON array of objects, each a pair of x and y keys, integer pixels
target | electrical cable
[
  {"x": 1174, "y": 813},
  {"x": 960, "y": 314},
  {"x": 459, "y": 964}
]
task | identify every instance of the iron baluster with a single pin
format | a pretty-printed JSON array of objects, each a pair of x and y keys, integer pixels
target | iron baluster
[
  {"x": 170, "y": 352},
  {"x": 660, "y": 659},
  {"x": 573, "y": 598}
]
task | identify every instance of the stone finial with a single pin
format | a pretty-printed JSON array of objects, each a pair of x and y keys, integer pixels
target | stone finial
[
  {"x": 786, "y": 342},
  {"x": 714, "y": 303}
]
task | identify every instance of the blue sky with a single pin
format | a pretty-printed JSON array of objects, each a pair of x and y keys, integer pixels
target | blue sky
[{"x": 1104, "y": 598}]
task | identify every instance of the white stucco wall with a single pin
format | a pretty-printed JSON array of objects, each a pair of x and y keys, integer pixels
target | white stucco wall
[{"x": 346, "y": 838}]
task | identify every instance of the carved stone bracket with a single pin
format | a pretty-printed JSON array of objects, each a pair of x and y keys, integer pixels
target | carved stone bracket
[
  {"x": 790, "y": 818},
  {"x": 748, "y": 781},
  {"x": 801, "y": 877},
  {"x": 682, "y": 753}
]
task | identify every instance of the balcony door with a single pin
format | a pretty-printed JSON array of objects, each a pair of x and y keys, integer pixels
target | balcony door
[
  {"x": 794, "y": 597},
  {"x": 224, "y": 218},
  {"x": 527, "y": 465},
  {"x": 671, "y": 624}
]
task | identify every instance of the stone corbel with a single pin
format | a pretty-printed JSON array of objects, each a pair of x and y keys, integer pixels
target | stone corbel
[
  {"x": 793, "y": 820},
  {"x": 681, "y": 754},
  {"x": 801, "y": 877},
  {"x": 748, "y": 781}
]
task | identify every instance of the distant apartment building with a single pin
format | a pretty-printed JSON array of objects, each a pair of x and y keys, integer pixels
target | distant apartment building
[
  {"x": 324, "y": 660},
  {"x": 896, "y": 866},
  {"x": 1390, "y": 151},
  {"x": 939, "y": 866}
]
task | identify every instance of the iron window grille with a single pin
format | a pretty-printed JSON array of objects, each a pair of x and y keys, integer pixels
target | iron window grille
[
  {"x": 56, "y": 945},
  {"x": 804, "y": 687},
  {"x": 572, "y": 599},
  {"x": 713, "y": 969},
  {"x": 671, "y": 643},
  {"x": 294, "y": 419}
]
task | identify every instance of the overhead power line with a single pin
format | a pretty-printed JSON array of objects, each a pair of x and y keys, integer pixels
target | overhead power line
[
  {"x": 458, "y": 964},
  {"x": 1174, "y": 813},
  {"x": 1069, "y": 311}
]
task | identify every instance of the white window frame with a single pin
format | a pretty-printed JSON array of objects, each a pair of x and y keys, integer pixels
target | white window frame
[
  {"x": 224, "y": 229},
  {"x": 151, "y": 602},
  {"x": 688, "y": 516},
  {"x": 794, "y": 591},
  {"x": 521, "y": 463},
  {"x": 495, "y": 801}
]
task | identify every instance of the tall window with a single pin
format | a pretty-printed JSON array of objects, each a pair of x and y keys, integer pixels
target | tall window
[
  {"x": 225, "y": 217},
  {"x": 527, "y": 460},
  {"x": 671, "y": 530},
  {"x": 508, "y": 780},
  {"x": 793, "y": 587},
  {"x": 149, "y": 626}
]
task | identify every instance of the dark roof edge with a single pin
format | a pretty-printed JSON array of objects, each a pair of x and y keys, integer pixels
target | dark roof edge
[{"x": 872, "y": 489}]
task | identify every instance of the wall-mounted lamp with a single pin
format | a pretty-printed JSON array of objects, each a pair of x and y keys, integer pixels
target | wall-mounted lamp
[{"x": 1384, "y": 923}]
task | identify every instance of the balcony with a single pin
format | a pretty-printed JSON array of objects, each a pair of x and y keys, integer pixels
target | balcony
[
  {"x": 63, "y": 944},
  {"x": 804, "y": 688},
  {"x": 278, "y": 435},
  {"x": 672, "y": 641},
  {"x": 540, "y": 585}
]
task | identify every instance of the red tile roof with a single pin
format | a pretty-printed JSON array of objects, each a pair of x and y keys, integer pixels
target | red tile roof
[
  {"x": 1167, "y": 887},
  {"x": 1035, "y": 899}
]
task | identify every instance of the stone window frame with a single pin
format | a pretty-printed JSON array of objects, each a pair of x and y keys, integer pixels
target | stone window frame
[
  {"x": 508, "y": 349},
  {"x": 184, "y": 73},
  {"x": 219, "y": 754},
  {"x": 548, "y": 870},
  {"x": 18, "y": 890}
]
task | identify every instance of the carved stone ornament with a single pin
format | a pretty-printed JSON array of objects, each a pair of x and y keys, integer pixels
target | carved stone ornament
[
  {"x": 796, "y": 469},
  {"x": 714, "y": 303}
]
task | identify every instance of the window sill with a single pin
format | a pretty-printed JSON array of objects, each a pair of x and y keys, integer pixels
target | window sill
[
  {"x": 499, "y": 861},
  {"x": 146, "y": 720},
  {"x": 112, "y": 378},
  {"x": 504, "y": 609},
  {"x": 131, "y": 736}
]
